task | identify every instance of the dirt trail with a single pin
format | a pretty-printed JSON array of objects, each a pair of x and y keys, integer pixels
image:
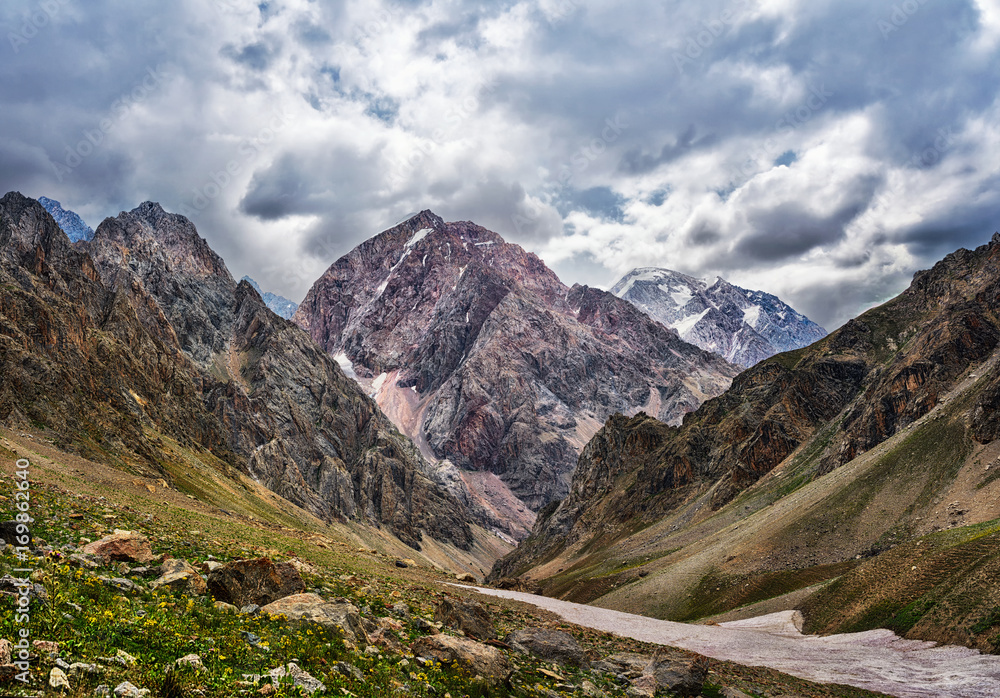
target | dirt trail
[{"x": 876, "y": 660}]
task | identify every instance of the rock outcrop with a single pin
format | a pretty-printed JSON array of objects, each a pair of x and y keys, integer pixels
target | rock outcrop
[
  {"x": 478, "y": 351},
  {"x": 477, "y": 659},
  {"x": 467, "y": 616},
  {"x": 550, "y": 645},
  {"x": 259, "y": 582},
  {"x": 121, "y": 546}
]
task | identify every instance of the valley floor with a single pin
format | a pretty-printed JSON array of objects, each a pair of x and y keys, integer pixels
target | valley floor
[{"x": 876, "y": 660}]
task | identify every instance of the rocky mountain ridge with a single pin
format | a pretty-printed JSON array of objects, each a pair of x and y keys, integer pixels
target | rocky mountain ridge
[
  {"x": 69, "y": 221},
  {"x": 492, "y": 365},
  {"x": 279, "y": 305},
  {"x": 143, "y": 333},
  {"x": 742, "y": 326}
]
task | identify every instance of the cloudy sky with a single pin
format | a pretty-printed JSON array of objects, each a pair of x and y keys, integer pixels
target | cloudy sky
[{"x": 819, "y": 150}]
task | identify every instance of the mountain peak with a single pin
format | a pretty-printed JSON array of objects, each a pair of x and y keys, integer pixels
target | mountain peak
[
  {"x": 424, "y": 219},
  {"x": 71, "y": 223},
  {"x": 477, "y": 348},
  {"x": 148, "y": 233},
  {"x": 742, "y": 326},
  {"x": 149, "y": 210},
  {"x": 279, "y": 304}
]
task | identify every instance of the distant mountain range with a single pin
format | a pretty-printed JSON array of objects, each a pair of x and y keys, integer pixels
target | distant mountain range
[
  {"x": 279, "y": 304},
  {"x": 71, "y": 224},
  {"x": 493, "y": 366},
  {"x": 744, "y": 327}
]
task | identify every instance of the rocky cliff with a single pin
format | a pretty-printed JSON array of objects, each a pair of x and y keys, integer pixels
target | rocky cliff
[
  {"x": 489, "y": 362},
  {"x": 744, "y": 327},
  {"x": 145, "y": 333}
]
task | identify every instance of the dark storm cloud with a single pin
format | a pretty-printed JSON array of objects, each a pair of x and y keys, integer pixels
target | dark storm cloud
[
  {"x": 277, "y": 192},
  {"x": 788, "y": 231},
  {"x": 636, "y": 162}
]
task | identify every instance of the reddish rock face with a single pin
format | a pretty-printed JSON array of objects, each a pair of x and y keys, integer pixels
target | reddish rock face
[{"x": 490, "y": 361}]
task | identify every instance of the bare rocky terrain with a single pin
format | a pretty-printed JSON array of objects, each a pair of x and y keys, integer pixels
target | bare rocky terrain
[{"x": 502, "y": 368}]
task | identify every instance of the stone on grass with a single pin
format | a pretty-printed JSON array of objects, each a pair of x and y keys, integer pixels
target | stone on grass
[
  {"x": 128, "y": 690},
  {"x": 178, "y": 575},
  {"x": 260, "y": 582},
  {"x": 729, "y": 692},
  {"x": 58, "y": 679},
  {"x": 6, "y": 647},
  {"x": 86, "y": 562},
  {"x": 468, "y": 616},
  {"x": 425, "y": 626},
  {"x": 482, "y": 660},
  {"x": 681, "y": 677},
  {"x": 350, "y": 671},
  {"x": 121, "y": 546},
  {"x": 310, "y": 607},
  {"x": 79, "y": 668},
  {"x": 121, "y": 584},
  {"x": 550, "y": 645},
  {"x": 190, "y": 661},
  {"x": 121, "y": 657},
  {"x": 297, "y": 676},
  {"x": 44, "y": 647}
]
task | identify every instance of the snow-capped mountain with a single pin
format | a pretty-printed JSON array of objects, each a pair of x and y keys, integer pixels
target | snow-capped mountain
[
  {"x": 280, "y": 305},
  {"x": 744, "y": 327},
  {"x": 70, "y": 222}
]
